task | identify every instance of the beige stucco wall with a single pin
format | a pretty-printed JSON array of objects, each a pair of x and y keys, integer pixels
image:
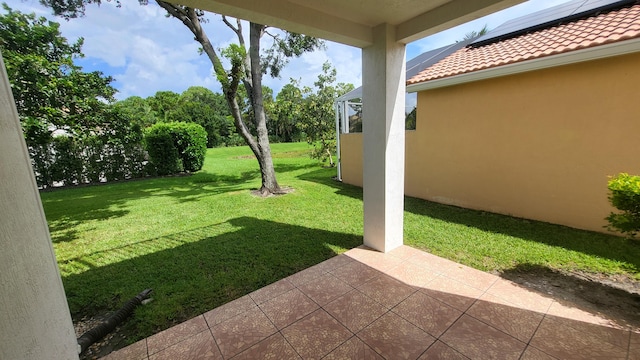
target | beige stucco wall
[
  {"x": 351, "y": 158},
  {"x": 537, "y": 145}
]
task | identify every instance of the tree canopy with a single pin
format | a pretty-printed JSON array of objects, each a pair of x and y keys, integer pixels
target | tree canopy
[
  {"x": 248, "y": 63},
  {"x": 50, "y": 91},
  {"x": 93, "y": 141}
]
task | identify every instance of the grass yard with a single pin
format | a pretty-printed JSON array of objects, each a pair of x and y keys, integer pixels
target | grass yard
[{"x": 200, "y": 241}]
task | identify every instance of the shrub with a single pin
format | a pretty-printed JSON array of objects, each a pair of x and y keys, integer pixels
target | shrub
[
  {"x": 625, "y": 196},
  {"x": 176, "y": 147},
  {"x": 191, "y": 142},
  {"x": 162, "y": 151}
]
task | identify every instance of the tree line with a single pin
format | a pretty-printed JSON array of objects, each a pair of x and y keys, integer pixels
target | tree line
[
  {"x": 297, "y": 113},
  {"x": 77, "y": 133}
]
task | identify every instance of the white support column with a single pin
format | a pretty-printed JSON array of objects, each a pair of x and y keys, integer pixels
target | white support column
[
  {"x": 383, "y": 69},
  {"x": 34, "y": 316}
]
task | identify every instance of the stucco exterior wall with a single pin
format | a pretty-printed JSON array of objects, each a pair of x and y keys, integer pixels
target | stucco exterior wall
[
  {"x": 351, "y": 158},
  {"x": 538, "y": 145}
]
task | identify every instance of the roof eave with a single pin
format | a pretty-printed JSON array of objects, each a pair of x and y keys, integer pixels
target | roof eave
[{"x": 572, "y": 57}]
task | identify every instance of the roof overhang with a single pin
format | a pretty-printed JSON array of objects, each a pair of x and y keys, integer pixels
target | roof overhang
[
  {"x": 351, "y": 22},
  {"x": 593, "y": 53}
]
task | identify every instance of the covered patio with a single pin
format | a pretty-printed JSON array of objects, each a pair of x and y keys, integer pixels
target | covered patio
[
  {"x": 405, "y": 304},
  {"x": 387, "y": 286}
]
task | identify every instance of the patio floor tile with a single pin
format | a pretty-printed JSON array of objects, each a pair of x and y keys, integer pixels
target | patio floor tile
[
  {"x": 386, "y": 290},
  {"x": 440, "y": 350},
  {"x": 452, "y": 292},
  {"x": 229, "y": 310},
  {"x": 285, "y": 309},
  {"x": 270, "y": 291},
  {"x": 418, "y": 306},
  {"x": 555, "y": 337},
  {"x": 470, "y": 276},
  {"x": 198, "y": 347},
  {"x": 432, "y": 262},
  {"x": 373, "y": 258},
  {"x": 325, "y": 288},
  {"x": 404, "y": 252},
  {"x": 532, "y": 353},
  {"x": 355, "y": 273},
  {"x": 307, "y": 275},
  {"x": 614, "y": 336},
  {"x": 354, "y": 349},
  {"x": 316, "y": 335},
  {"x": 516, "y": 322},
  {"x": 573, "y": 313},
  {"x": 520, "y": 296},
  {"x": 395, "y": 338},
  {"x": 355, "y": 310},
  {"x": 241, "y": 332},
  {"x": 136, "y": 351},
  {"x": 478, "y": 340},
  {"x": 429, "y": 314},
  {"x": 335, "y": 262},
  {"x": 274, "y": 347},
  {"x": 412, "y": 274},
  {"x": 176, "y": 334}
]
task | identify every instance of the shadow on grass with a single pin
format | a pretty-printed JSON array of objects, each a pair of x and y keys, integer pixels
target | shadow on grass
[
  {"x": 107, "y": 201},
  {"x": 326, "y": 176},
  {"x": 285, "y": 168},
  {"x": 587, "y": 242},
  {"x": 68, "y": 208},
  {"x": 619, "y": 301},
  {"x": 197, "y": 270}
]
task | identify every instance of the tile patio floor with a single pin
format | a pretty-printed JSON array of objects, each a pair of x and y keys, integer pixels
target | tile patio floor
[{"x": 406, "y": 304}]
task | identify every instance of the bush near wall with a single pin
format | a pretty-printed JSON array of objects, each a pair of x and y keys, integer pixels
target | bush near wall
[
  {"x": 176, "y": 147},
  {"x": 625, "y": 196}
]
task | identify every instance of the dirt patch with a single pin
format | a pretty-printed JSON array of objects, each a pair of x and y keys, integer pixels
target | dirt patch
[
  {"x": 279, "y": 155},
  {"x": 283, "y": 191},
  {"x": 616, "y": 298}
]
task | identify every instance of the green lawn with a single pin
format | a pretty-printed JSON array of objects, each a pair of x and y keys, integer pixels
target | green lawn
[{"x": 200, "y": 241}]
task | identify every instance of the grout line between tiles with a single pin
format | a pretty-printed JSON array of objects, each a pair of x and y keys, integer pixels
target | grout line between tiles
[{"x": 215, "y": 342}]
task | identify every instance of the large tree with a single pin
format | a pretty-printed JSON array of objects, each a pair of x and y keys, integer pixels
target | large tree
[
  {"x": 138, "y": 110},
  {"x": 287, "y": 114},
  {"x": 246, "y": 69},
  {"x": 318, "y": 120},
  {"x": 72, "y": 135},
  {"x": 208, "y": 109},
  {"x": 49, "y": 90}
]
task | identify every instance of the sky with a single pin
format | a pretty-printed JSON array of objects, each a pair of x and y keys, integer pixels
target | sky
[{"x": 147, "y": 52}]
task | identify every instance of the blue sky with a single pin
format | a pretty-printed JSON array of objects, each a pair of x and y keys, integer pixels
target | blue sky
[{"x": 147, "y": 52}]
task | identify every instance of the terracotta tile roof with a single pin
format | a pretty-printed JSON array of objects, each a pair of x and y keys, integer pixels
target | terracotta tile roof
[{"x": 614, "y": 26}]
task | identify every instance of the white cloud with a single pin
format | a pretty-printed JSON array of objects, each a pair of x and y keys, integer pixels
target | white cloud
[{"x": 147, "y": 52}]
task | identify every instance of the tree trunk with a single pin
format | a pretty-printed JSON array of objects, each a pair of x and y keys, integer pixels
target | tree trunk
[
  {"x": 269, "y": 182},
  {"x": 251, "y": 79},
  {"x": 330, "y": 158}
]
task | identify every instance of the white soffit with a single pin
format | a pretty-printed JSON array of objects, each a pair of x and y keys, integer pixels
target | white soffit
[
  {"x": 593, "y": 53},
  {"x": 351, "y": 21}
]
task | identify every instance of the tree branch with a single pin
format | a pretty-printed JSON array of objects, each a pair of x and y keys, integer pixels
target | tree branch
[{"x": 235, "y": 30}]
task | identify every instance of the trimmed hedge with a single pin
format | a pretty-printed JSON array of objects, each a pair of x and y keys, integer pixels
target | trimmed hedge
[
  {"x": 625, "y": 196},
  {"x": 176, "y": 147},
  {"x": 115, "y": 153}
]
